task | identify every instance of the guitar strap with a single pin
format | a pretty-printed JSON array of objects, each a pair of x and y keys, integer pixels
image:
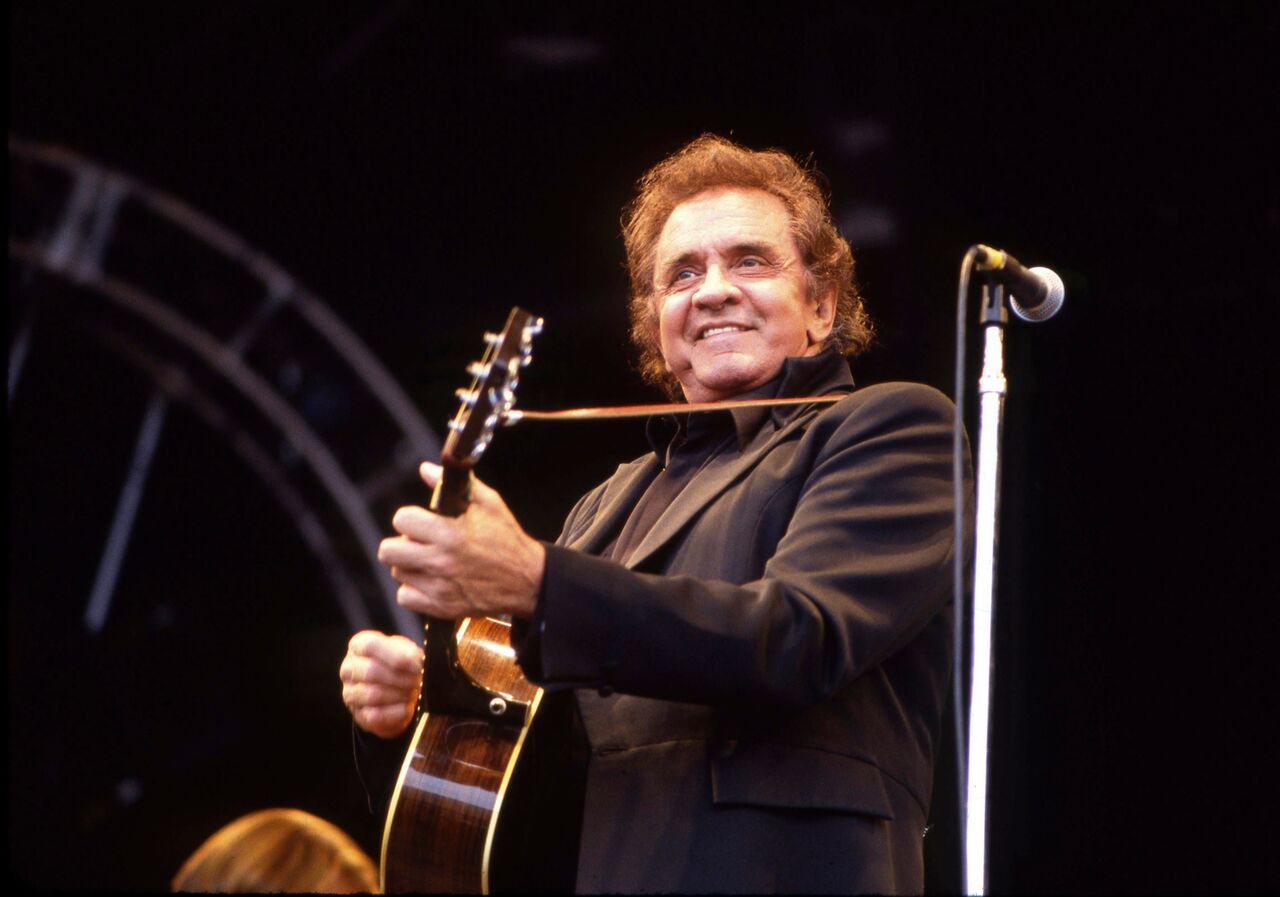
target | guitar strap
[{"x": 514, "y": 416}]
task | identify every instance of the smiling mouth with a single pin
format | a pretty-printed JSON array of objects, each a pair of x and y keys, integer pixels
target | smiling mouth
[{"x": 718, "y": 329}]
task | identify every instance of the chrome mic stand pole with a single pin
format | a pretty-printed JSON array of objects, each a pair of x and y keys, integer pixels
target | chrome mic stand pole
[{"x": 991, "y": 390}]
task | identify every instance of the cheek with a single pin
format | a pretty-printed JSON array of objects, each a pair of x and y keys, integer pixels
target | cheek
[
  {"x": 670, "y": 322},
  {"x": 789, "y": 326}
]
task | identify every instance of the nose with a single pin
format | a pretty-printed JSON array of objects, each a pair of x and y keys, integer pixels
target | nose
[{"x": 715, "y": 290}]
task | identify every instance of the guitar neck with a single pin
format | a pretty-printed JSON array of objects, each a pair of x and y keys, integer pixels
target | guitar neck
[
  {"x": 443, "y": 673},
  {"x": 453, "y": 492},
  {"x": 446, "y": 687}
]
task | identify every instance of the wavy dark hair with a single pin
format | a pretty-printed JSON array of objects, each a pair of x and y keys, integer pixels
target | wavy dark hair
[{"x": 711, "y": 161}]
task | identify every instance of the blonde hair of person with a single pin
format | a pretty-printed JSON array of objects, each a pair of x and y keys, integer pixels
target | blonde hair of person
[{"x": 278, "y": 850}]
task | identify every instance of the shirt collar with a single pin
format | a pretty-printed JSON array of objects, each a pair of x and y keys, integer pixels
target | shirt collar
[{"x": 801, "y": 375}]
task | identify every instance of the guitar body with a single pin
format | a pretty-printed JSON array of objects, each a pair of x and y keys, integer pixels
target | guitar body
[{"x": 444, "y": 813}]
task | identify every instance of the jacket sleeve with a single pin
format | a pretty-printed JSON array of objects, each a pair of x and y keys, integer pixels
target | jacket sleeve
[{"x": 862, "y": 566}]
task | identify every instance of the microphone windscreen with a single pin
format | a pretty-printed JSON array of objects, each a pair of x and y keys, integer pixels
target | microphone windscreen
[{"x": 1055, "y": 295}]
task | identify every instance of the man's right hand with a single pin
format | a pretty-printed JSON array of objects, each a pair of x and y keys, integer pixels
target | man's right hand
[{"x": 381, "y": 676}]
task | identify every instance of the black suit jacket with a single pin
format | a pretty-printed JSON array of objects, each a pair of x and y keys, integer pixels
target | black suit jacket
[{"x": 762, "y": 682}]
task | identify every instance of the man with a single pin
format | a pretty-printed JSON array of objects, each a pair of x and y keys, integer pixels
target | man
[{"x": 756, "y": 616}]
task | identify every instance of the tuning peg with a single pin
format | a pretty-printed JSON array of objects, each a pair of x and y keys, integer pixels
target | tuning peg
[
  {"x": 533, "y": 328},
  {"x": 492, "y": 339},
  {"x": 456, "y": 425},
  {"x": 482, "y": 443},
  {"x": 478, "y": 369},
  {"x": 466, "y": 396}
]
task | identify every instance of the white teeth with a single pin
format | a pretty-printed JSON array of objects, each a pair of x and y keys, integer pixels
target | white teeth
[{"x": 712, "y": 331}]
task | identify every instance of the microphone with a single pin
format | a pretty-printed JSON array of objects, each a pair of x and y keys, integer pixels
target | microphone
[{"x": 1040, "y": 290}]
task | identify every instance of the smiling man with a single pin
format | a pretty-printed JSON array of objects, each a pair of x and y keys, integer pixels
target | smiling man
[
  {"x": 731, "y": 294},
  {"x": 751, "y": 624}
]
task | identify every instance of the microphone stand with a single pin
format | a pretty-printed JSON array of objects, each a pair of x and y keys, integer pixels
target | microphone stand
[{"x": 992, "y": 387}]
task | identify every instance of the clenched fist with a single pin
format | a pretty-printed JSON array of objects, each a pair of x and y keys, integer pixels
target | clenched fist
[{"x": 381, "y": 677}]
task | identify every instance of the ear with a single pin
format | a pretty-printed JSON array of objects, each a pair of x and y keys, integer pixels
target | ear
[{"x": 823, "y": 316}]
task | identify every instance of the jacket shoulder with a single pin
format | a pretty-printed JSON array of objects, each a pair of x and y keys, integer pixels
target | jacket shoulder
[{"x": 894, "y": 402}]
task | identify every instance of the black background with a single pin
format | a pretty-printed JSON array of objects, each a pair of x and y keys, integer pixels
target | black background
[{"x": 421, "y": 171}]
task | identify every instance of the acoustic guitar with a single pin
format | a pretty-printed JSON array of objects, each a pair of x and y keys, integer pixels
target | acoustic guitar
[{"x": 452, "y": 825}]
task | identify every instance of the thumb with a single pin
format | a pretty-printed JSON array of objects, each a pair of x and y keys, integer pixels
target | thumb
[{"x": 480, "y": 493}]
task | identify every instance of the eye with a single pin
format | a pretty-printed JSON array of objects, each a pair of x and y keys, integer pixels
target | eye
[{"x": 753, "y": 262}]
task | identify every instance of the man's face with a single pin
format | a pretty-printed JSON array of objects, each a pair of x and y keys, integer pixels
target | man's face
[{"x": 731, "y": 294}]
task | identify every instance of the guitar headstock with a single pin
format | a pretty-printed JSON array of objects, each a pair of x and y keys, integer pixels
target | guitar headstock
[{"x": 485, "y": 405}]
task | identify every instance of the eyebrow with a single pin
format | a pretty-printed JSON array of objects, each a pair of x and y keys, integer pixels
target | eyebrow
[{"x": 736, "y": 250}]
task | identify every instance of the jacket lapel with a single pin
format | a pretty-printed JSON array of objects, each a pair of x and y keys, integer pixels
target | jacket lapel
[{"x": 621, "y": 494}]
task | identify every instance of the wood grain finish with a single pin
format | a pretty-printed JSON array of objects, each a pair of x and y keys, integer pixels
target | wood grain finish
[{"x": 448, "y": 799}]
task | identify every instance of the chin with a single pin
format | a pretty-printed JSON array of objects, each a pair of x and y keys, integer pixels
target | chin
[{"x": 718, "y": 384}]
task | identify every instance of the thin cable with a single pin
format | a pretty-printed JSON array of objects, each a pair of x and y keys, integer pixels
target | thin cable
[
  {"x": 355, "y": 757},
  {"x": 959, "y": 552}
]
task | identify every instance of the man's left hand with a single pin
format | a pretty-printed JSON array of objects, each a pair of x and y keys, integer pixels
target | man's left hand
[{"x": 481, "y": 563}]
